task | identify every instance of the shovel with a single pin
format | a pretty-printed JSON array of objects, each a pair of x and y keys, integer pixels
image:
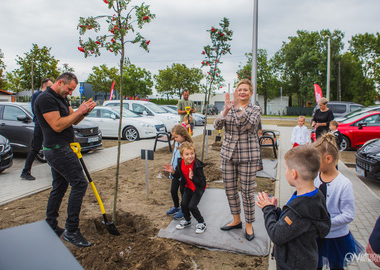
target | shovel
[
  {"x": 218, "y": 138},
  {"x": 111, "y": 228}
]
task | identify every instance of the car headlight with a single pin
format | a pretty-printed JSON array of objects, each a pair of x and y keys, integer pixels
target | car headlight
[
  {"x": 146, "y": 125},
  {"x": 7, "y": 145},
  {"x": 171, "y": 118}
]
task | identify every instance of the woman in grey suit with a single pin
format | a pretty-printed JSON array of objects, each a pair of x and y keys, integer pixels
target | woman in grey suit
[{"x": 240, "y": 154}]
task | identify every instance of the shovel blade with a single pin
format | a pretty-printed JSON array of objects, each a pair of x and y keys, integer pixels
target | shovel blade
[{"x": 111, "y": 228}]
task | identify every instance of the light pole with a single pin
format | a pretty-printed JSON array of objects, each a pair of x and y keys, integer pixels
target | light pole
[
  {"x": 254, "y": 51},
  {"x": 328, "y": 70}
]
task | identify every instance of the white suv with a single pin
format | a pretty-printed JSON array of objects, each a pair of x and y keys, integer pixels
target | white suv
[{"x": 148, "y": 109}]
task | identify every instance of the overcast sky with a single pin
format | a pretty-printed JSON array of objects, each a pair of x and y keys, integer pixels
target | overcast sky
[{"x": 178, "y": 33}]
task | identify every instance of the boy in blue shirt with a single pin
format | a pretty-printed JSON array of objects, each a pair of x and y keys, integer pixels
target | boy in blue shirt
[{"x": 295, "y": 228}]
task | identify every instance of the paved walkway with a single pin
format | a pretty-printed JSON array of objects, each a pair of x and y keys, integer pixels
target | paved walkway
[{"x": 367, "y": 203}]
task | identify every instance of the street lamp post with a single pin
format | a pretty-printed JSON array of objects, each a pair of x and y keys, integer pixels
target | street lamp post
[
  {"x": 328, "y": 69},
  {"x": 254, "y": 51}
]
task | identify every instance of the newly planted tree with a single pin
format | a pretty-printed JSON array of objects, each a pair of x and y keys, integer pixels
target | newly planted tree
[
  {"x": 121, "y": 28},
  {"x": 220, "y": 45}
]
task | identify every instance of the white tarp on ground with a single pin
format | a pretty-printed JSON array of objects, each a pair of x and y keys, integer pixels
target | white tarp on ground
[{"x": 216, "y": 212}]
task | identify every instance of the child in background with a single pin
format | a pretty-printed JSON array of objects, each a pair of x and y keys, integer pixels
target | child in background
[
  {"x": 293, "y": 229},
  {"x": 186, "y": 123},
  {"x": 334, "y": 130},
  {"x": 340, "y": 203},
  {"x": 193, "y": 182},
  {"x": 300, "y": 134},
  {"x": 180, "y": 135}
]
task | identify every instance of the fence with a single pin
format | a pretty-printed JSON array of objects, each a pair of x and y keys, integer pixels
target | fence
[{"x": 307, "y": 111}]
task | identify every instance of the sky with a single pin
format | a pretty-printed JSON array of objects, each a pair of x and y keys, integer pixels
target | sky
[{"x": 178, "y": 33}]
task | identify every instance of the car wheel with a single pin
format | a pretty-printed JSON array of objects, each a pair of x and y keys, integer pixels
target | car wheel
[
  {"x": 346, "y": 144},
  {"x": 130, "y": 134},
  {"x": 41, "y": 157}
]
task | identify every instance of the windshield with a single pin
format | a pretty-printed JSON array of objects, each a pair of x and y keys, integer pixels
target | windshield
[
  {"x": 353, "y": 118},
  {"x": 126, "y": 112},
  {"x": 169, "y": 109},
  {"x": 154, "y": 107},
  {"x": 27, "y": 106}
]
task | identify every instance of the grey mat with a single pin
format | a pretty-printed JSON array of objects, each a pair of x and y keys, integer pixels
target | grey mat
[
  {"x": 34, "y": 246},
  {"x": 270, "y": 169},
  {"x": 216, "y": 212}
]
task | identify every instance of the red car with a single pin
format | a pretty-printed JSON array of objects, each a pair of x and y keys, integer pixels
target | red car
[{"x": 358, "y": 129}]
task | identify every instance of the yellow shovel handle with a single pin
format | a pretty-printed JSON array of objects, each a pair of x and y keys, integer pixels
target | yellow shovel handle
[
  {"x": 98, "y": 198},
  {"x": 76, "y": 149}
]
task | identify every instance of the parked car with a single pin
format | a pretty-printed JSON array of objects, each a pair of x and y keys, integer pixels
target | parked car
[
  {"x": 134, "y": 126},
  {"x": 17, "y": 125},
  {"x": 368, "y": 160},
  {"x": 359, "y": 129},
  {"x": 359, "y": 111},
  {"x": 147, "y": 108},
  {"x": 212, "y": 109},
  {"x": 199, "y": 119},
  {"x": 341, "y": 108},
  {"x": 6, "y": 155}
]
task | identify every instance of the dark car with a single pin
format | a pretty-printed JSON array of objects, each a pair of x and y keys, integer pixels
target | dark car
[
  {"x": 16, "y": 124},
  {"x": 341, "y": 108},
  {"x": 368, "y": 160},
  {"x": 6, "y": 155},
  {"x": 212, "y": 109}
]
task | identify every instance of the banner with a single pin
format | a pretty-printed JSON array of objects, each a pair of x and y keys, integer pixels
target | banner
[
  {"x": 113, "y": 84},
  {"x": 318, "y": 92}
]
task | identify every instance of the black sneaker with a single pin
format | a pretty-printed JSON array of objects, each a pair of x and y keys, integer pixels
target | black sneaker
[
  {"x": 75, "y": 238},
  {"x": 27, "y": 176},
  {"x": 59, "y": 231}
]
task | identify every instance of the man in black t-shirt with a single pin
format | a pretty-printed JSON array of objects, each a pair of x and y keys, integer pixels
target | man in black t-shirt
[{"x": 56, "y": 118}]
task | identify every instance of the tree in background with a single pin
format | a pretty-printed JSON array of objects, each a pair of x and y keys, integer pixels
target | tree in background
[
  {"x": 220, "y": 45},
  {"x": 36, "y": 65},
  {"x": 137, "y": 81},
  {"x": 303, "y": 62},
  {"x": 366, "y": 49},
  {"x": 173, "y": 80},
  {"x": 2, "y": 68},
  {"x": 121, "y": 25},
  {"x": 102, "y": 77},
  {"x": 267, "y": 83}
]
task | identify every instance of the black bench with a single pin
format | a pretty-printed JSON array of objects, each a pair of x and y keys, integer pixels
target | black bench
[
  {"x": 163, "y": 137},
  {"x": 269, "y": 139}
]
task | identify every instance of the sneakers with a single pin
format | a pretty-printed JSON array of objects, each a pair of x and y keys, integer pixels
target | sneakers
[
  {"x": 173, "y": 211},
  {"x": 27, "y": 176},
  {"x": 75, "y": 238},
  {"x": 59, "y": 231},
  {"x": 183, "y": 224},
  {"x": 200, "y": 228},
  {"x": 179, "y": 215}
]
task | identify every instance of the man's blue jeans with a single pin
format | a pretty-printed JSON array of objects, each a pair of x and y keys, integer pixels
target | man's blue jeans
[{"x": 65, "y": 169}]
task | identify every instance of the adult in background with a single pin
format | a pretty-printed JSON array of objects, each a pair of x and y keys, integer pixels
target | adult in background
[
  {"x": 373, "y": 248},
  {"x": 240, "y": 154},
  {"x": 56, "y": 117},
  {"x": 322, "y": 118},
  {"x": 182, "y": 104},
  {"x": 37, "y": 136}
]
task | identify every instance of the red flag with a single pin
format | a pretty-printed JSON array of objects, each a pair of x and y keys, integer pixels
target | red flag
[
  {"x": 113, "y": 84},
  {"x": 318, "y": 92}
]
